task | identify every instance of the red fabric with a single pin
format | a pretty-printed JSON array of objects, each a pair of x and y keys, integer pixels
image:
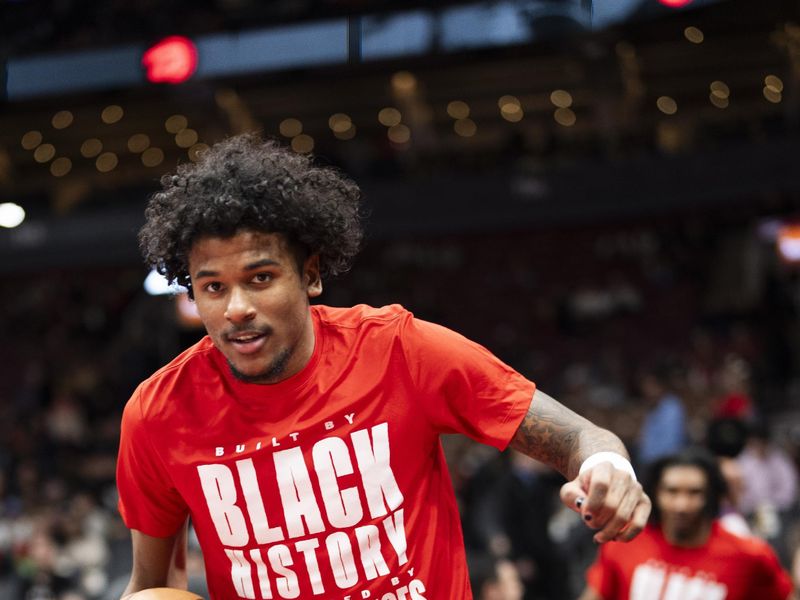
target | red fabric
[
  {"x": 328, "y": 484},
  {"x": 726, "y": 567},
  {"x": 734, "y": 406}
]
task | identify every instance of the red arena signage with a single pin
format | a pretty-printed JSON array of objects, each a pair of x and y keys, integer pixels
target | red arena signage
[{"x": 172, "y": 60}]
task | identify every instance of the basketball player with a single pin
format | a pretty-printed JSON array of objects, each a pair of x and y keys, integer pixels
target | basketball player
[
  {"x": 685, "y": 553},
  {"x": 303, "y": 440}
]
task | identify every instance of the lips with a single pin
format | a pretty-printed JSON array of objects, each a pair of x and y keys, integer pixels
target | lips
[{"x": 247, "y": 342}]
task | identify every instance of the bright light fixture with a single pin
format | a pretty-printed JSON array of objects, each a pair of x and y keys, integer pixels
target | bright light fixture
[{"x": 11, "y": 214}]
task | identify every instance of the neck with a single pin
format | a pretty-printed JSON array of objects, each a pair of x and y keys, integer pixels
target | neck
[
  {"x": 697, "y": 537},
  {"x": 302, "y": 352}
]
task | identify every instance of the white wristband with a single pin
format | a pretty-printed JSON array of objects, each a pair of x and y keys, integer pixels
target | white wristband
[{"x": 617, "y": 461}]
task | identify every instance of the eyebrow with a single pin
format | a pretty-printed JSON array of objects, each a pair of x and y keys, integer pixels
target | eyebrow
[{"x": 264, "y": 262}]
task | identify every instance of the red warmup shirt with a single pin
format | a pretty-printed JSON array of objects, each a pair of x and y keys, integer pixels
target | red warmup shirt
[
  {"x": 726, "y": 567},
  {"x": 331, "y": 483}
]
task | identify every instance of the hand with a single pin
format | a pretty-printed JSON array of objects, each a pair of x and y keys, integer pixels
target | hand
[{"x": 610, "y": 501}]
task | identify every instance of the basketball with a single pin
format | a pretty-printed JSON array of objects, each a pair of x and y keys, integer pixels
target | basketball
[{"x": 164, "y": 594}]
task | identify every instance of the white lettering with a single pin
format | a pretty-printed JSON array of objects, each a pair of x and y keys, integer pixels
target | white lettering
[
  {"x": 716, "y": 591},
  {"x": 297, "y": 494},
  {"x": 255, "y": 504},
  {"x": 240, "y": 574},
  {"x": 219, "y": 451},
  {"x": 307, "y": 547},
  {"x": 275, "y": 442},
  {"x": 258, "y": 446},
  {"x": 220, "y": 493},
  {"x": 239, "y": 448},
  {"x": 341, "y": 555},
  {"x": 396, "y": 532},
  {"x": 279, "y": 558},
  {"x": 294, "y": 435},
  {"x": 376, "y": 472},
  {"x": 648, "y": 580},
  {"x": 263, "y": 576},
  {"x": 332, "y": 460},
  {"x": 417, "y": 588},
  {"x": 369, "y": 543},
  {"x": 350, "y": 418},
  {"x": 676, "y": 587},
  {"x": 328, "y": 425}
]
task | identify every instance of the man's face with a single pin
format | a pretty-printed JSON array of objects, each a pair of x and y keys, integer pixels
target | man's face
[
  {"x": 254, "y": 302},
  {"x": 681, "y": 498}
]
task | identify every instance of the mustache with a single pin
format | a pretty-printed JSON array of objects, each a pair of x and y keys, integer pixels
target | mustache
[{"x": 265, "y": 330}]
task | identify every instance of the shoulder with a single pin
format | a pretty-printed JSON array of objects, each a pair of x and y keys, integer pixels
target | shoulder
[
  {"x": 355, "y": 317},
  {"x": 392, "y": 326},
  {"x": 746, "y": 546},
  {"x": 192, "y": 365}
]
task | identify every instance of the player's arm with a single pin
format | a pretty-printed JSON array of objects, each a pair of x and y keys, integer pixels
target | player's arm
[
  {"x": 158, "y": 562},
  {"x": 608, "y": 498}
]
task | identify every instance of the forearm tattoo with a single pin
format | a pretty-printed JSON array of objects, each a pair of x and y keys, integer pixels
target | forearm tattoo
[{"x": 561, "y": 438}]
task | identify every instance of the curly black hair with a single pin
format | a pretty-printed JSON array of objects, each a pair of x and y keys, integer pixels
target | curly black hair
[
  {"x": 716, "y": 488},
  {"x": 247, "y": 183}
]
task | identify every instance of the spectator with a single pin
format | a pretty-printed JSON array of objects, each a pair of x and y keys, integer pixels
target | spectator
[
  {"x": 731, "y": 517},
  {"x": 511, "y": 530},
  {"x": 770, "y": 481},
  {"x": 494, "y": 579},
  {"x": 664, "y": 428},
  {"x": 734, "y": 381}
]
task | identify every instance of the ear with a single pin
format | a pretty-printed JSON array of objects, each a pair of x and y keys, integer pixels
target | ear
[{"x": 311, "y": 276}]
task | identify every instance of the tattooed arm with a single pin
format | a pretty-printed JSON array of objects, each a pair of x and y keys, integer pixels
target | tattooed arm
[
  {"x": 555, "y": 435},
  {"x": 608, "y": 499}
]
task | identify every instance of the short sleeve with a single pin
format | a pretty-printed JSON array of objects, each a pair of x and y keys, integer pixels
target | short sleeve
[
  {"x": 772, "y": 581},
  {"x": 602, "y": 576},
  {"x": 464, "y": 388},
  {"x": 148, "y": 502}
]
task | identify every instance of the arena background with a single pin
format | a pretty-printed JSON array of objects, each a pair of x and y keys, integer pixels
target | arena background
[{"x": 590, "y": 189}]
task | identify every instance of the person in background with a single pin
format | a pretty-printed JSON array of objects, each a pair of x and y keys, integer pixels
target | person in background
[
  {"x": 664, "y": 427},
  {"x": 495, "y": 579},
  {"x": 769, "y": 479},
  {"x": 736, "y": 401},
  {"x": 684, "y": 553},
  {"x": 731, "y": 516},
  {"x": 509, "y": 529}
]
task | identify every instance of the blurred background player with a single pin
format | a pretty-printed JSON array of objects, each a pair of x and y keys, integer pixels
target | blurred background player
[{"x": 685, "y": 553}]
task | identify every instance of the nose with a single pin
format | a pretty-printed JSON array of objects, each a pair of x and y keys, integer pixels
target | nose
[
  {"x": 682, "y": 503},
  {"x": 239, "y": 308}
]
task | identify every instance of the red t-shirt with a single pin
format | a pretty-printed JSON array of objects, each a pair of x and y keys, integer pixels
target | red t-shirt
[
  {"x": 726, "y": 567},
  {"x": 331, "y": 483}
]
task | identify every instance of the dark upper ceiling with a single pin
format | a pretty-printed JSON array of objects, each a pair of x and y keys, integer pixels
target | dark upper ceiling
[{"x": 615, "y": 78}]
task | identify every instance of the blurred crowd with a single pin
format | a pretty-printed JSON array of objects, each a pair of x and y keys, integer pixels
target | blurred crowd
[{"x": 670, "y": 334}]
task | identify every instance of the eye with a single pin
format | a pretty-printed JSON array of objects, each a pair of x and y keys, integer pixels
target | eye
[
  {"x": 212, "y": 286},
  {"x": 262, "y": 278}
]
